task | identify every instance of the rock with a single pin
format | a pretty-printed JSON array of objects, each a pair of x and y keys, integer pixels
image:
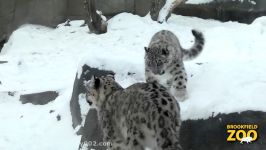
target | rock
[
  {"x": 3, "y": 62},
  {"x": 41, "y": 98},
  {"x": 11, "y": 93},
  {"x": 91, "y": 130},
  {"x": 79, "y": 88},
  {"x": 2, "y": 42},
  {"x": 223, "y": 11},
  {"x": 92, "y": 133},
  {"x": 199, "y": 63},
  {"x": 51, "y": 111},
  {"x": 131, "y": 73},
  {"x": 58, "y": 117}
]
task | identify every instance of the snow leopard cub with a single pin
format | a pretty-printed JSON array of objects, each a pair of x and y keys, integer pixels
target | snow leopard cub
[
  {"x": 164, "y": 61},
  {"x": 144, "y": 115}
]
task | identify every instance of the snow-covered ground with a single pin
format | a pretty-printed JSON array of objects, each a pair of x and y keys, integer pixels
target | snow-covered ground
[{"x": 229, "y": 76}]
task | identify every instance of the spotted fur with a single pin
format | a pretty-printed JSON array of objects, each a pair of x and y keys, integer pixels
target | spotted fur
[
  {"x": 141, "y": 116},
  {"x": 164, "y": 61}
]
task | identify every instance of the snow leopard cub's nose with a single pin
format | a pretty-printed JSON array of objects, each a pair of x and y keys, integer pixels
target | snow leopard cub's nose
[
  {"x": 90, "y": 103},
  {"x": 88, "y": 99}
]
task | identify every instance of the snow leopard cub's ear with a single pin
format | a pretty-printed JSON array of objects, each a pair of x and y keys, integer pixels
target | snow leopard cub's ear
[
  {"x": 97, "y": 82},
  {"x": 88, "y": 84},
  {"x": 111, "y": 75},
  {"x": 147, "y": 49},
  {"x": 94, "y": 82}
]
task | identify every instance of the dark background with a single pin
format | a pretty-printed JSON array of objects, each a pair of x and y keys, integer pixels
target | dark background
[{"x": 14, "y": 13}]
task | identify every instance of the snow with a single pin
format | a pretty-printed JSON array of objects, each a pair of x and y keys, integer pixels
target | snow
[
  {"x": 250, "y": 1},
  {"x": 229, "y": 76},
  {"x": 198, "y": 1}
]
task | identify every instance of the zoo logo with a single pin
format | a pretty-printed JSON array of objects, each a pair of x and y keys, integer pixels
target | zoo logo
[{"x": 242, "y": 133}]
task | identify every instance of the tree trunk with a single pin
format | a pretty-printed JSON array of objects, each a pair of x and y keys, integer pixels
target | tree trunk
[
  {"x": 3, "y": 40},
  {"x": 94, "y": 20},
  {"x": 161, "y": 9},
  {"x": 156, "y": 6}
]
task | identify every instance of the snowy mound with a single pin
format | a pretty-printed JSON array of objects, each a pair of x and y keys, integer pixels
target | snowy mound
[{"x": 229, "y": 76}]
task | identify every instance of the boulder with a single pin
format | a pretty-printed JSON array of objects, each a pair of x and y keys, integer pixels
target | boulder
[
  {"x": 41, "y": 98},
  {"x": 91, "y": 131},
  {"x": 223, "y": 11},
  {"x": 3, "y": 62},
  {"x": 79, "y": 88},
  {"x": 3, "y": 40}
]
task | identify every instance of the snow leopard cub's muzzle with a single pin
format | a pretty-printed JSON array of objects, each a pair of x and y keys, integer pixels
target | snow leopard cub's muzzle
[
  {"x": 89, "y": 95},
  {"x": 88, "y": 100},
  {"x": 157, "y": 59},
  {"x": 91, "y": 90},
  {"x": 156, "y": 68},
  {"x": 158, "y": 71}
]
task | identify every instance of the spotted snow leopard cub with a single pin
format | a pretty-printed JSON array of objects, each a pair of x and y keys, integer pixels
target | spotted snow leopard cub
[
  {"x": 164, "y": 61},
  {"x": 144, "y": 115}
]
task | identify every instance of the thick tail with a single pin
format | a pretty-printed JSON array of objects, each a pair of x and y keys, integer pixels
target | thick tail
[{"x": 196, "y": 49}]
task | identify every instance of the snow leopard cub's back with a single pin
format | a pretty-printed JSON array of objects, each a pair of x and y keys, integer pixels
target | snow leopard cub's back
[
  {"x": 164, "y": 61},
  {"x": 143, "y": 115}
]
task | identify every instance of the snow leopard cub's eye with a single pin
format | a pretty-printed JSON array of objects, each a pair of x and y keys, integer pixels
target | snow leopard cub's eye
[
  {"x": 159, "y": 63},
  {"x": 149, "y": 64}
]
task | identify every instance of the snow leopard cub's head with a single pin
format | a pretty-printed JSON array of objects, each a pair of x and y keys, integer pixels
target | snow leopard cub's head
[
  {"x": 98, "y": 89},
  {"x": 157, "y": 58}
]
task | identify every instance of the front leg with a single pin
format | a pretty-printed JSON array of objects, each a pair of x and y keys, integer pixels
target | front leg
[
  {"x": 179, "y": 87},
  {"x": 118, "y": 145},
  {"x": 112, "y": 135},
  {"x": 149, "y": 76},
  {"x": 116, "y": 142},
  {"x": 179, "y": 94}
]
